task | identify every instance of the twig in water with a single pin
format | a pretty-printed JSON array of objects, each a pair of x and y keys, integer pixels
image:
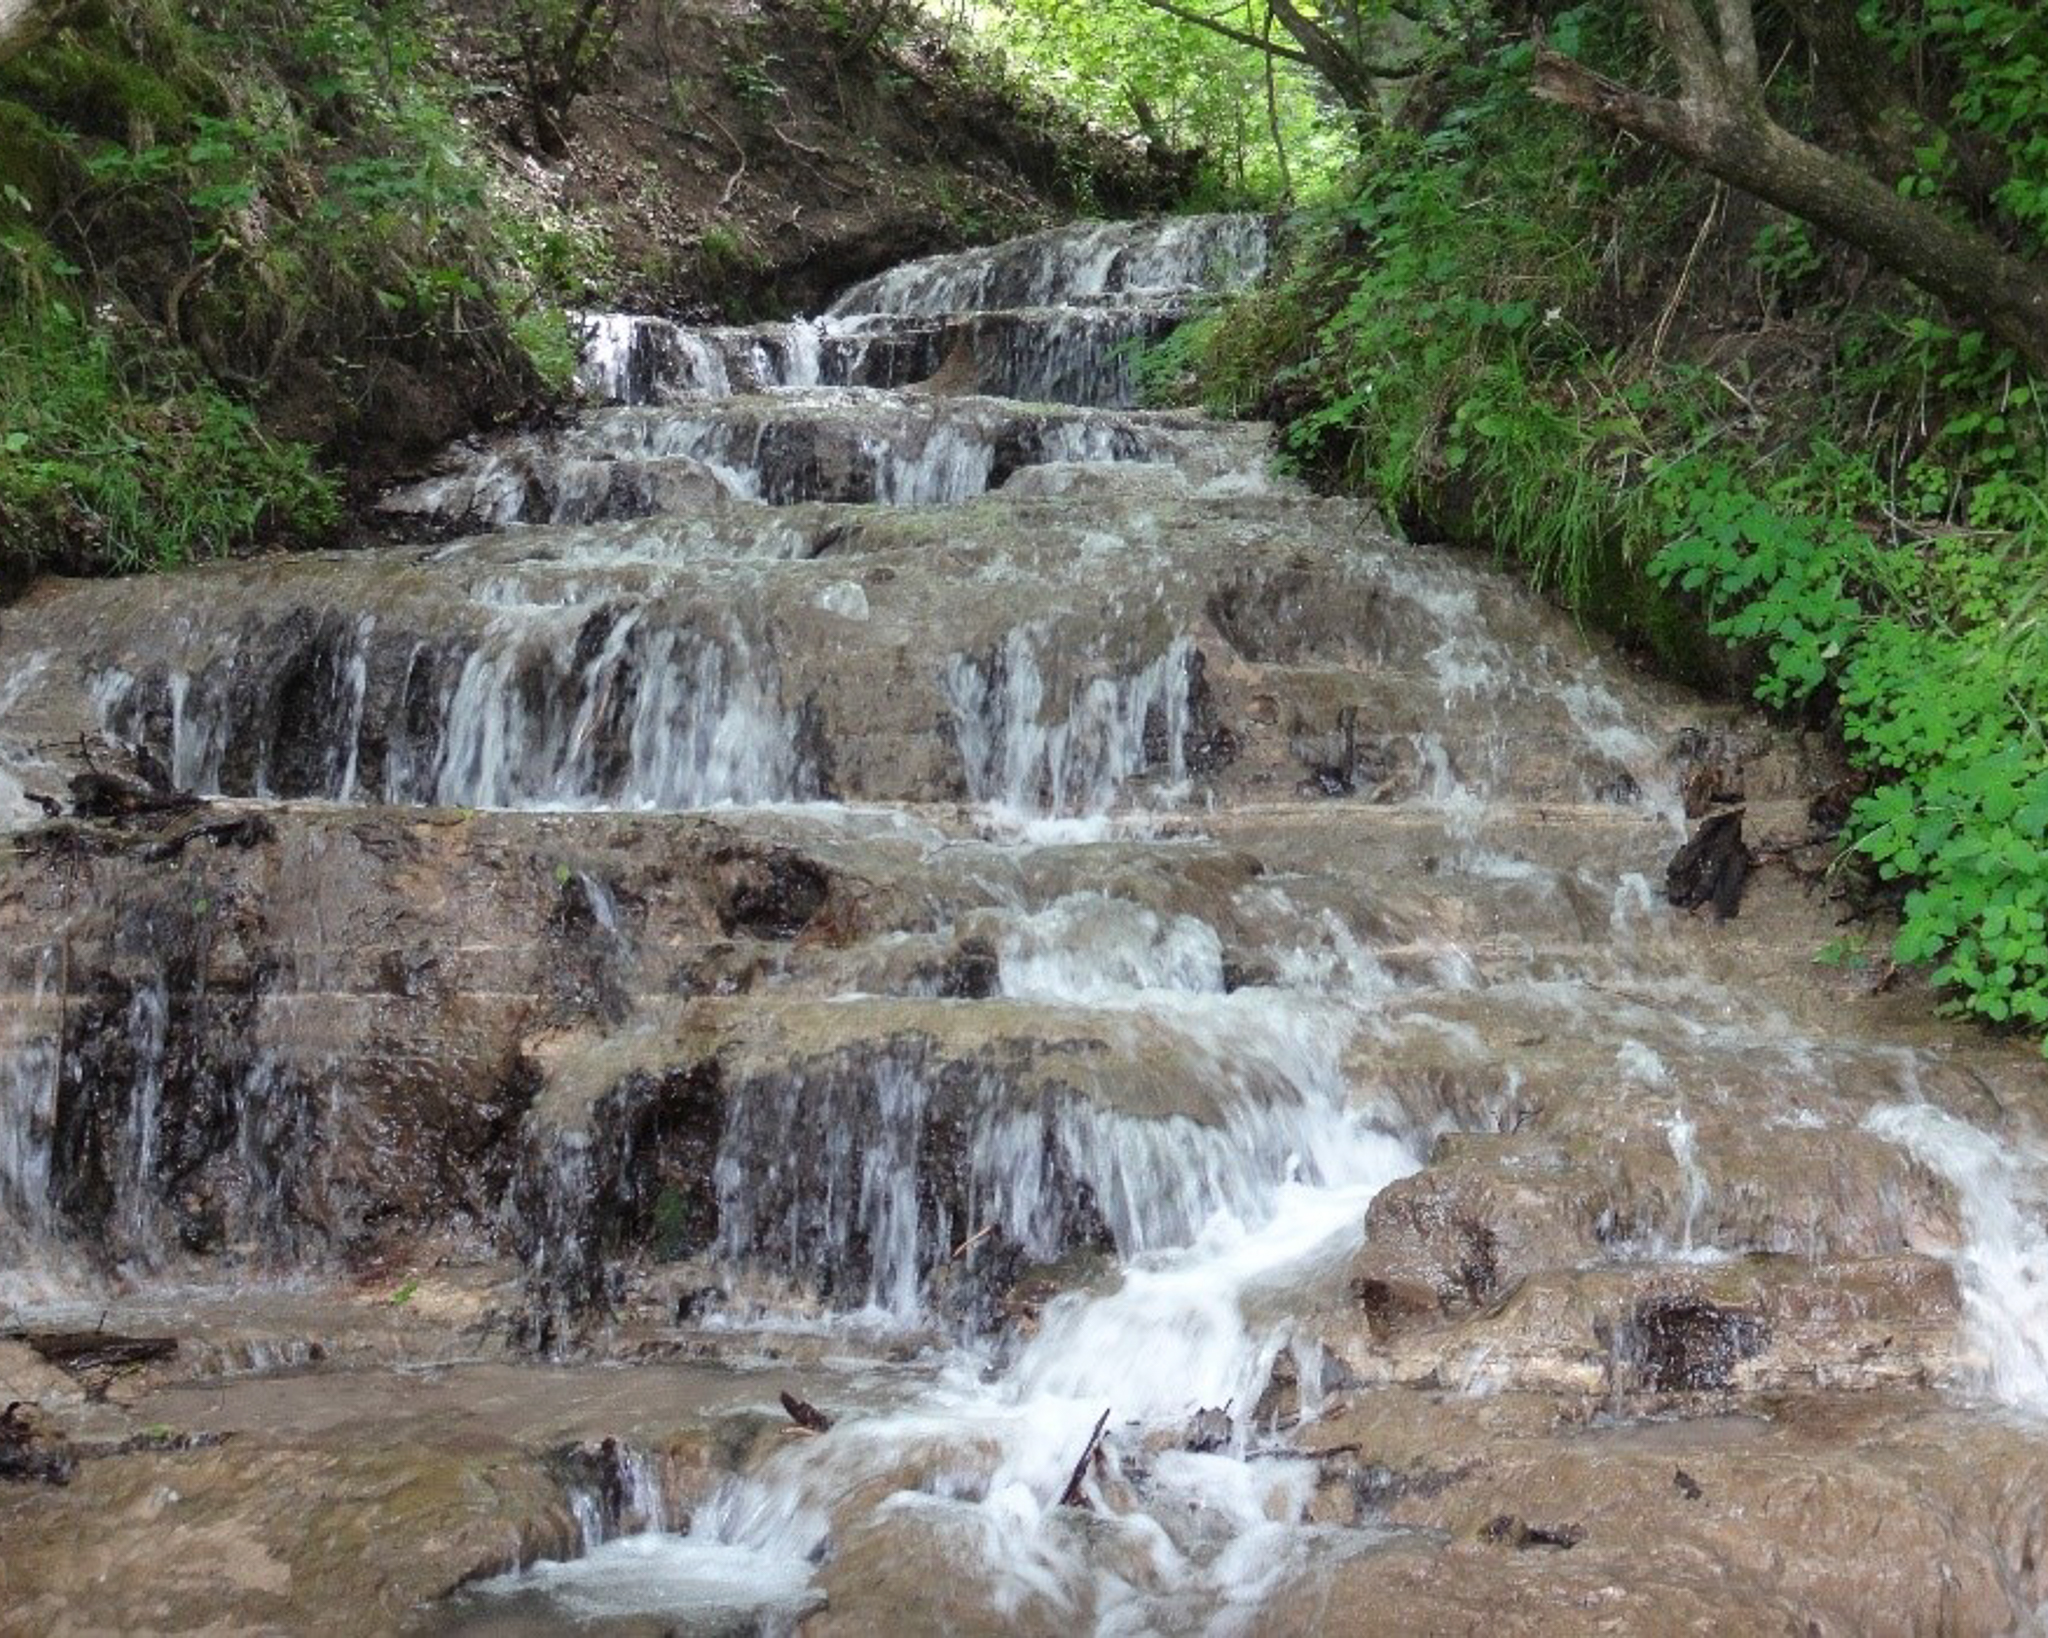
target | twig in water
[
  {"x": 805, "y": 1414},
  {"x": 1073, "y": 1496}
]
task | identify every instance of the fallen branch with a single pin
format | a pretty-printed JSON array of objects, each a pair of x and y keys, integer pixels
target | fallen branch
[
  {"x": 1712, "y": 868},
  {"x": 738, "y": 147},
  {"x": 972, "y": 1240},
  {"x": 1073, "y": 1495},
  {"x": 1314, "y": 1453},
  {"x": 95, "y": 1350}
]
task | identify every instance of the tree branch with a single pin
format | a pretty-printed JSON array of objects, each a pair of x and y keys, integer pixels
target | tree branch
[
  {"x": 1738, "y": 44},
  {"x": 1728, "y": 134},
  {"x": 1354, "y": 78},
  {"x": 1678, "y": 24},
  {"x": 1216, "y": 27},
  {"x": 1569, "y": 83}
]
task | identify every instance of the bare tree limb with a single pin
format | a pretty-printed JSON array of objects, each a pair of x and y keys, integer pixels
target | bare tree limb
[
  {"x": 1348, "y": 74},
  {"x": 1685, "y": 36},
  {"x": 1354, "y": 78},
  {"x": 1738, "y": 43},
  {"x": 1215, "y": 26},
  {"x": 1273, "y": 112},
  {"x": 1721, "y": 125}
]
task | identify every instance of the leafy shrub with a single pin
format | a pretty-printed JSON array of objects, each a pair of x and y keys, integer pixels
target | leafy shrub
[
  {"x": 1477, "y": 333},
  {"x": 108, "y": 467}
]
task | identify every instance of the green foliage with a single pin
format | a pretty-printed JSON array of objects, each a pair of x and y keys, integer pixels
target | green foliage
[
  {"x": 1935, "y": 651},
  {"x": 1184, "y": 86},
  {"x": 1489, "y": 329},
  {"x": 671, "y": 1227},
  {"x": 104, "y": 464},
  {"x": 752, "y": 80},
  {"x": 1786, "y": 572},
  {"x": 1995, "y": 53},
  {"x": 231, "y": 192},
  {"x": 1428, "y": 342}
]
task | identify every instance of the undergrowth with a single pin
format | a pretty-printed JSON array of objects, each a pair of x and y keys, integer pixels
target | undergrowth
[
  {"x": 1695, "y": 424},
  {"x": 216, "y": 209}
]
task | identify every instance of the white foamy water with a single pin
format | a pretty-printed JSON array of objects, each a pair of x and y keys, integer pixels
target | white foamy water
[
  {"x": 1214, "y": 1224},
  {"x": 693, "y": 1580},
  {"x": 2002, "y": 1265},
  {"x": 1121, "y": 1192},
  {"x": 662, "y": 719},
  {"x": 1178, "y": 1335},
  {"x": 1088, "y": 261},
  {"x": 1093, "y": 949},
  {"x": 571, "y": 705}
]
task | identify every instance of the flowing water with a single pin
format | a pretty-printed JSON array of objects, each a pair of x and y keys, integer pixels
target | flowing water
[{"x": 869, "y": 856}]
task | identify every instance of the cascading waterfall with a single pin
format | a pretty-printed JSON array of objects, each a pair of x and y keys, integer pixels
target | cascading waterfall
[
  {"x": 555, "y": 706},
  {"x": 662, "y": 720},
  {"x": 989, "y": 900},
  {"x": 1106, "y": 261},
  {"x": 28, "y": 1097},
  {"x": 1202, "y": 1221}
]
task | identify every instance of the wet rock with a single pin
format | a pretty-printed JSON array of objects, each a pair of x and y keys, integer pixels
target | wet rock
[
  {"x": 26, "y": 1457},
  {"x": 1506, "y": 1530},
  {"x": 972, "y": 971},
  {"x": 1873, "y": 1489},
  {"x": 612, "y": 1167},
  {"x": 1209, "y": 1429},
  {"x": 303, "y": 1538},
  {"x": 85, "y": 1352},
  {"x": 1684, "y": 1344},
  {"x": 772, "y": 895},
  {"x": 1288, "y": 612},
  {"x": 1761, "y": 1324}
]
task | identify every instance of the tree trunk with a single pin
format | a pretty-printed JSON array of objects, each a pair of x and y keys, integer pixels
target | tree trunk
[{"x": 1719, "y": 123}]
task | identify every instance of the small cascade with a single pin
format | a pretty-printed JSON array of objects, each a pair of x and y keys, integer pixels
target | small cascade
[
  {"x": 1106, "y": 261},
  {"x": 1693, "y": 1180},
  {"x": 902, "y": 1167},
  {"x": 2003, "y": 1261},
  {"x": 636, "y": 360},
  {"x": 1025, "y": 757},
  {"x": 618, "y": 1489},
  {"x": 831, "y": 444},
  {"x": 661, "y": 719},
  {"x": 553, "y": 706},
  {"x": 28, "y": 1100}
]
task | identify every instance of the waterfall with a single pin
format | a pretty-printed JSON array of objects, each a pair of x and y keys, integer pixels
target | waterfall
[{"x": 863, "y": 865}]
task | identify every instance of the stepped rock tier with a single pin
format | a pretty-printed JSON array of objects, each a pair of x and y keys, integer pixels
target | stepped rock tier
[{"x": 871, "y": 991}]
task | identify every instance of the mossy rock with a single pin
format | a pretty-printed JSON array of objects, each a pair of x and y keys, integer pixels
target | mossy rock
[
  {"x": 35, "y": 160},
  {"x": 94, "y": 83}
]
